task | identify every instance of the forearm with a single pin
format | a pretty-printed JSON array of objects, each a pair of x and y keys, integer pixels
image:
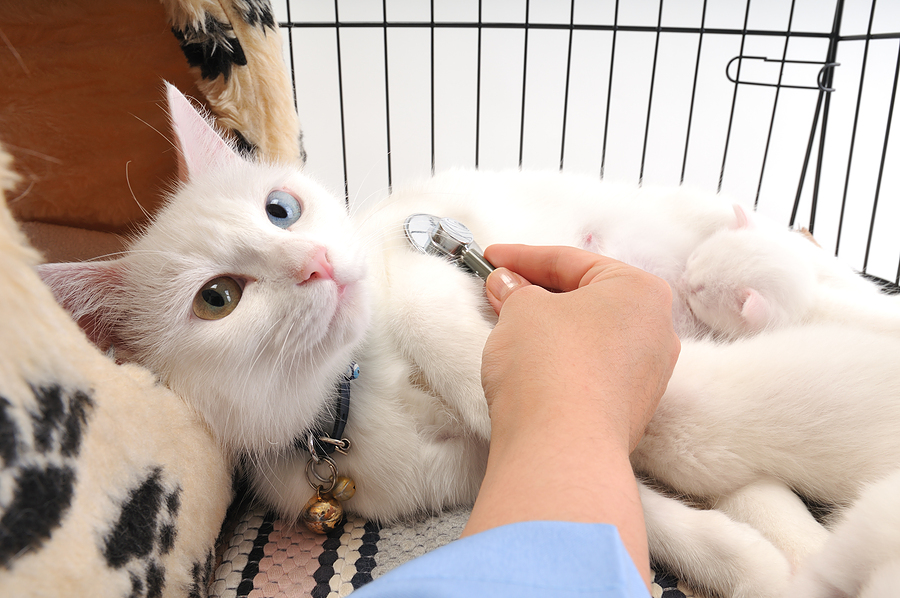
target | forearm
[
  {"x": 587, "y": 480},
  {"x": 571, "y": 378}
]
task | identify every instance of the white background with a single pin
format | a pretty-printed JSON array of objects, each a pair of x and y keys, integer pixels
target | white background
[{"x": 407, "y": 100}]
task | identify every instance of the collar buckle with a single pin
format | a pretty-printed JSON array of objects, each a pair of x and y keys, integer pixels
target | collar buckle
[{"x": 324, "y": 440}]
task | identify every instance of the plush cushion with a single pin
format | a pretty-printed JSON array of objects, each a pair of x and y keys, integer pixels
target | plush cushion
[{"x": 110, "y": 484}]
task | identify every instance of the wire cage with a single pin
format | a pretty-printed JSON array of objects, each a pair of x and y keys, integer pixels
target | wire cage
[{"x": 787, "y": 105}]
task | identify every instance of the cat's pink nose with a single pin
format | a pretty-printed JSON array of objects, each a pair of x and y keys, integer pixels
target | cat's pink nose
[{"x": 318, "y": 267}]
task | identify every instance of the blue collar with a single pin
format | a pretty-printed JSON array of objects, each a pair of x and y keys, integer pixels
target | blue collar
[{"x": 328, "y": 436}]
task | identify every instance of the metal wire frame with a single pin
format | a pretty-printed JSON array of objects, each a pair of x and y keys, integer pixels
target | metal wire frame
[{"x": 818, "y": 131}]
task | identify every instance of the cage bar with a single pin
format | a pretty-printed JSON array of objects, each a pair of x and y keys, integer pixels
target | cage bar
[{"x": 786, "y": 180}]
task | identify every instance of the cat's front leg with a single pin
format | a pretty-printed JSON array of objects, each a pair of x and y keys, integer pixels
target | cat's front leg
[
  {"x": 710, "y": 551},
  {"x": 778, "y": 514},
  {"x": 439, "y": 319}
]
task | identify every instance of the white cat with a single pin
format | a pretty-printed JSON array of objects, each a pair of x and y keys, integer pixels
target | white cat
[
  {"x": 755, "y": 275},
  {"x": 252, "y": 291},
  {"x": 310, "y": 288},
  {"x": 815, "y": 409}
]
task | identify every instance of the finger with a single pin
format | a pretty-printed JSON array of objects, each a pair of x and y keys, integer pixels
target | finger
[
  {"x": 500, "y": 285},
  {"x": 556, "y": 268}
]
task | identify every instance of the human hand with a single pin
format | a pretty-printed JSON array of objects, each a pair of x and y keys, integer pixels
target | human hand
[
  {"x": 572, "y": 378},
  {"x": 593, "y": 358}
]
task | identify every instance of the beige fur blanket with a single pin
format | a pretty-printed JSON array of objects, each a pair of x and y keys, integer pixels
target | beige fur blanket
[{"x": 110, "y": 485}]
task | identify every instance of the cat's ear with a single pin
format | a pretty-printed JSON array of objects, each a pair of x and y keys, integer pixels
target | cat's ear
[
  {"x": 743, "y": 220},
  {"x": 756, "y": 312},
  {"x": 200, "y": 146},
  {"x": 89, "y": 292}
]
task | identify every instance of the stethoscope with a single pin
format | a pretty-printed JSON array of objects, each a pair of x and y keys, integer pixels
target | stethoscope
[{"x": 448, "y": 238}]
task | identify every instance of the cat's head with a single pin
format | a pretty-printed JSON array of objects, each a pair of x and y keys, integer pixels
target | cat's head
[
  {"x": 245, "y": 294},
  {"x": 746, "y": 278}
]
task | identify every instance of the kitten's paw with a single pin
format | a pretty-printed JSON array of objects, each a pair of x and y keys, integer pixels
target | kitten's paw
[
  {"x": 773, "y": 509},
  {"x": 712, "y": 552},
  {"x": 764, "y": 574}
]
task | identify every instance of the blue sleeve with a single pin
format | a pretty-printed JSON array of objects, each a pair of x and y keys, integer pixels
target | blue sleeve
[{"x": 525, "y": 560}]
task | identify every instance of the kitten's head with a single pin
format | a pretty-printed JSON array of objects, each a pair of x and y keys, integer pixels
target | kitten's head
[
  {"x": 245, "y": 294},
  {"x": 746, "y": 278}
]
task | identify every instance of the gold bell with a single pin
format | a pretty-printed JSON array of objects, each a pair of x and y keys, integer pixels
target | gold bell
[
  {"x": 344, "y": 488},
  {"x": 322, "y": 513}
]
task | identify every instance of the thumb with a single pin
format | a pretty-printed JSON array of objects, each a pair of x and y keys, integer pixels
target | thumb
[{"x": 501, "y": 284}]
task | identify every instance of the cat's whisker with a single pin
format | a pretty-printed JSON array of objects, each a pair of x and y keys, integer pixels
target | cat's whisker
[
  {"x": 130, "y": 190},
  {"x": 384, "y": 195},
  {"x": 108, "y": 256},
  {"x": 373, "y": 240},
  {"x": 382, "y": 190},
  {"x": 373, "y": 208},
  {"x": 161, "y": 134},
  {"x": 14, "y": 52},
  {"x": 33, "y": 153},
  {"x": 379, "y": 235},
  {"x": 266, "y": 468},
  {"x": 24, "y": 193},
  {"x": 261, "y": 345},
  {"x": 390, "y": 238},
  {"x": 281, "y": 354},
  {"x": 392, "y": 228},
  {"x": 245, "y": 391}
]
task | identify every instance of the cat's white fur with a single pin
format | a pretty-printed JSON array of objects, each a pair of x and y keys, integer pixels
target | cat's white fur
[
  {"x": 289, "y": 342},
  {"x": 812, "y": 409},
  {"x": 863, "y": 558},
  {"x": 754, "y": 275},
  {"x": 417, "y": 324}
]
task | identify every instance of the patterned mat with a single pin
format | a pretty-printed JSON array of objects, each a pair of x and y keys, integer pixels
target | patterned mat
[{"x": 262, "y": 556}]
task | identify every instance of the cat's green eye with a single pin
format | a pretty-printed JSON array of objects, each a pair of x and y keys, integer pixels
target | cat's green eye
[{"x": 217, "y": 298}]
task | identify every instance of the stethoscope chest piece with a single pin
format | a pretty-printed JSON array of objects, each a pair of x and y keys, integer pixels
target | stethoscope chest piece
[{"x": 448, "y": 238}]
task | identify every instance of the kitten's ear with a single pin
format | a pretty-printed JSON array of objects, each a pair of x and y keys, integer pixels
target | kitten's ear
[
  {"x": 742, "y": 218},
  {"x": 89, "y": 292},
  {"x": 199, "y": 145},
  {"x": 756, "y": 310}
]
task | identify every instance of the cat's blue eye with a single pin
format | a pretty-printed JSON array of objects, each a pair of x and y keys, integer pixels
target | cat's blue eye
[{"x": 282, "y": 208}]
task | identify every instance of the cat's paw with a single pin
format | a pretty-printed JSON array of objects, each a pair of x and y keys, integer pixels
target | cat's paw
[
  {"x": 773, "y": 509},
  {"x": 711, "y": 551},
  {"x": 763, "y": 573}
]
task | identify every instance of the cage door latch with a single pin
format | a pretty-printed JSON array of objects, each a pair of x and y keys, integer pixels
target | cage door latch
[{"x": 825, "y": 68}]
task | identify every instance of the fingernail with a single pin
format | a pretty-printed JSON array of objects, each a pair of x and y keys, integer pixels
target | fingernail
[{"x": 502, "y": 282}]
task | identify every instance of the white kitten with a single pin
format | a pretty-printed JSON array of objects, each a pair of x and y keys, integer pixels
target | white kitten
[
  {"x": 258, "y": 375},
  {"x": 815, "y": 409},
  {"x": 755, "y": 275},
  {"x": 252, "y": 291}
]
